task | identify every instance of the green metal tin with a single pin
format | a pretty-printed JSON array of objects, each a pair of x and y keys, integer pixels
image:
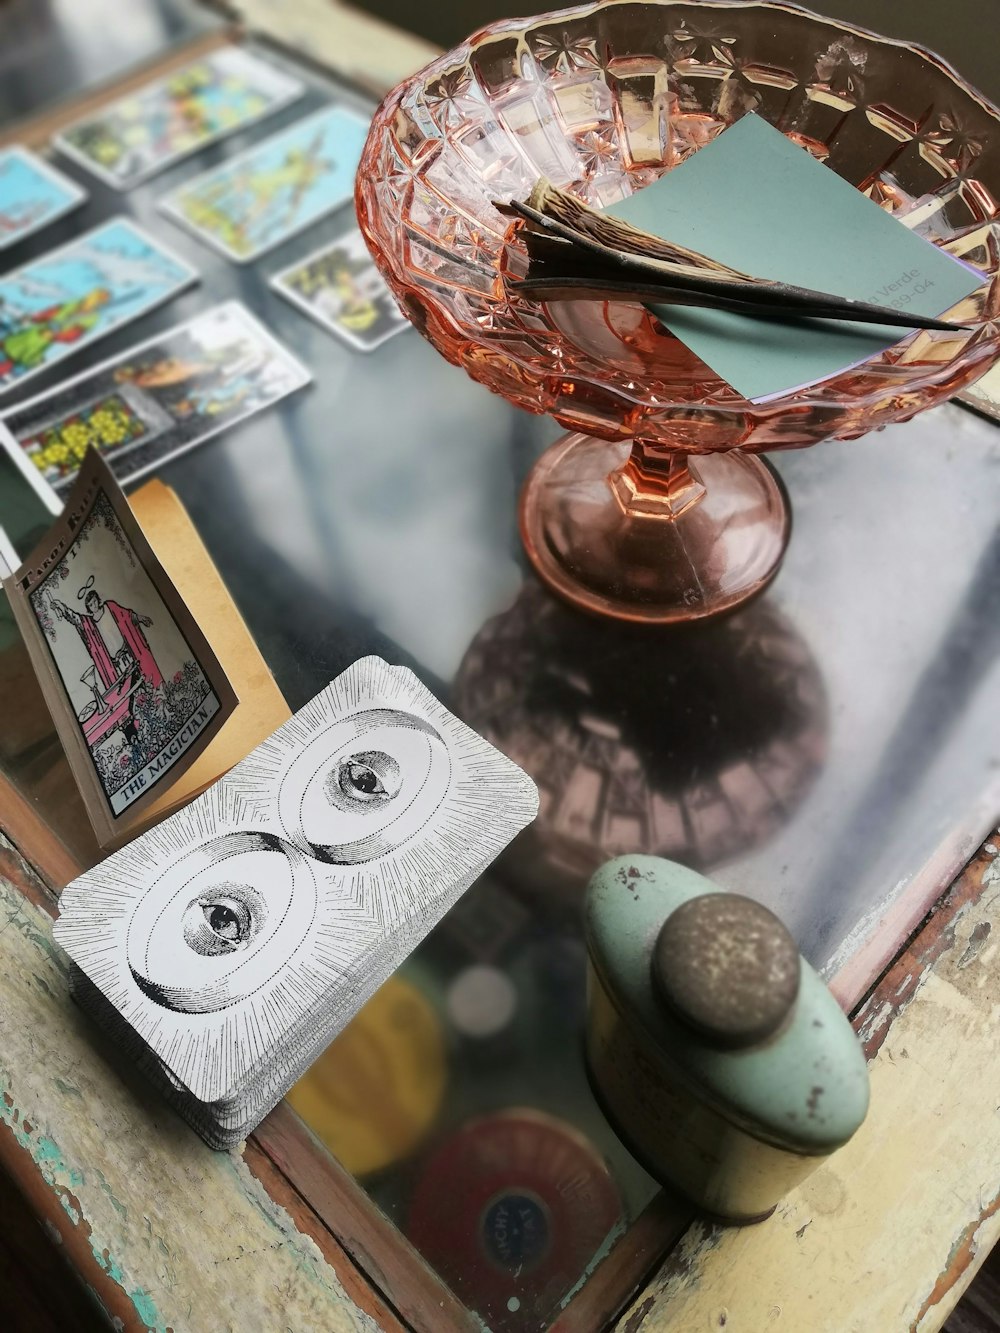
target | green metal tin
[{"x": 733, "y": 1128}]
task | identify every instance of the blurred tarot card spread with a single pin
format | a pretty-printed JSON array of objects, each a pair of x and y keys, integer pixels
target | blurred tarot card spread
[
  {"x": 162, "y": 122},
  {"x": 156, "y": 400},
  {"x": 276, "y": 189},
  {"x": 340, "y": 287},
  {"x": 135, "y": 690},
  {"x": 32, "y": 194},
  {"x": 231, "y": 943},
  {"x": 72, "y": 296}
]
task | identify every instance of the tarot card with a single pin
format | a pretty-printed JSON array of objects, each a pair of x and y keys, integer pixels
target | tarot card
[
  {"x": 342, "y": 289},
  {"x": 276, "y": 189},
  {"x": 135, "y": 691},
  {"x": 156, "y": 400},
  {"x": 228, "y": 945},
  {"x": 72, "y": 296},
  {"x": 32, "y": 194},
  {"x": 153, "y": 127}
]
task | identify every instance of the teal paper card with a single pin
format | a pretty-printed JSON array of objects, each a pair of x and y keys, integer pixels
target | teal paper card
[{"x": 758, "y": 202}]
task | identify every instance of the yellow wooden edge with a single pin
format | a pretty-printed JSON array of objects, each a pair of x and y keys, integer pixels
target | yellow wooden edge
[
  {"x": 915, "y": 1194},
  {"x": 358, "y": 46},
  {"x": 262, "y": 707}
]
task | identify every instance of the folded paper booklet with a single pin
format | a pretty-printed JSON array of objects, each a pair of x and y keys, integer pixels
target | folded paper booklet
[
  {"x": 756, "y": 201},
  {"x": 227, "y": 947}
]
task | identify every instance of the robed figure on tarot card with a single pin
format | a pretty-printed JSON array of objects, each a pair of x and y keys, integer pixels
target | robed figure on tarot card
[{"x": 112, "y": 635}]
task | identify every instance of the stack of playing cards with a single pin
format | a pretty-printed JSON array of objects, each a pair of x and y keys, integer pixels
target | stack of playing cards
[{"x": 227, "y": 947}]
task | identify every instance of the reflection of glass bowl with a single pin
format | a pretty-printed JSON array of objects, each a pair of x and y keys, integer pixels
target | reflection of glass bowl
[
  {"x": 603, "y": 99},
  {"x": 697, "y": 746}
]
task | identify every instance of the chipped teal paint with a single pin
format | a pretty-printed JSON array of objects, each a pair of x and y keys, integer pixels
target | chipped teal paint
[
  {"x": 47, "y": 1153},
  {"x": 43, "y": 985},
  {"x": 146, "y": 1309},
  {"x": 107, "y": 1262},
  {"x": 116, "y": 1204},
  {"x": 48, "y": 1157},
  {"x": 298, "y": 1253}
]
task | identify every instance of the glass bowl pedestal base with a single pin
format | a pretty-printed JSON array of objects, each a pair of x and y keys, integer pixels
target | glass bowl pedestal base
[{"x": 642, "y": 533}]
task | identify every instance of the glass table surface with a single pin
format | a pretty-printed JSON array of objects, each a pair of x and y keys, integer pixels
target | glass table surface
[{"x": 813, "y": 750}]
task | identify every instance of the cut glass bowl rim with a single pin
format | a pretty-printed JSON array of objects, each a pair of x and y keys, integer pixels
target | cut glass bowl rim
[{"x": 873, "y": 404}]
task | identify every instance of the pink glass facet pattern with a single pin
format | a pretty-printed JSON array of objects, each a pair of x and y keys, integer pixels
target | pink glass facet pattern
[{"x": 602, "y": 100}]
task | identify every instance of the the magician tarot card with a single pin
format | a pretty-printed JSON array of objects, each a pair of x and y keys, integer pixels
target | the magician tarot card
[
  {"x": 70, "y": 297},
  {"x": 135, "y": 690},
  {"x": 153, "y": 127},
  {"x": 156, "y": 400}
]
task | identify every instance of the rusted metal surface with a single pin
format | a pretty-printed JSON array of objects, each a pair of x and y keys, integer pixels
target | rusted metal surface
[
  {"x": 166, "y": 1233},
  {"x": 888, "y": 1233}
]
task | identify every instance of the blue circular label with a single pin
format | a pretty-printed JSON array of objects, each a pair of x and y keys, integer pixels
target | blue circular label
[{"x": 515, "y": 1231}]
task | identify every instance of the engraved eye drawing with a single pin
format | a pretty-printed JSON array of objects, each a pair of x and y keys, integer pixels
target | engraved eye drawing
[
  {"x": 224, "y": 919},
  {"x": 221, "y": 922},
  {"x": 367, "y": 777},
  {"x": 365, "y": 785}
]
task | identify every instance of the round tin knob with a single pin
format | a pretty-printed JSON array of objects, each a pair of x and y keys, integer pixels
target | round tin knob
[{"x": 728, "y": 967}]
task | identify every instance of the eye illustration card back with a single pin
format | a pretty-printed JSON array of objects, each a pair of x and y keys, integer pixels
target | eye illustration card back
[
  {"x": 156, "y": 400},
  {"x": 264, "y": 196},
  {"x": 157, "y": 125},
  {"x": 32, "y": 194},
  {"x": 241, "y": 934},
  {"x": 72, "y": 296},
  {"x": 135, "y": 690}
]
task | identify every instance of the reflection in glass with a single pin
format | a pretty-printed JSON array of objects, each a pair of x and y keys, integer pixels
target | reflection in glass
[{"x": 695, "y": 745}]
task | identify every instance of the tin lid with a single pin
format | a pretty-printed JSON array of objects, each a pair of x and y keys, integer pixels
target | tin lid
[
  {"x": 719, "y": 989},
  {"x": 727, "y": 967}
]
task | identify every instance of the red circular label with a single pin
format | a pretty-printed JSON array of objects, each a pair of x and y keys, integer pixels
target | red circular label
[{"x": 510, "y": 1211}]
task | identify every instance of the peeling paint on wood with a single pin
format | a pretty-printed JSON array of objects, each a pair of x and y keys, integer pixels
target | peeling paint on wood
[
  {"x": 168, "y": 1234},
  {"x": 888, "y": 1233},
  {"x": 962, "y": 1255},
  {"x": 977, "y": 886}
]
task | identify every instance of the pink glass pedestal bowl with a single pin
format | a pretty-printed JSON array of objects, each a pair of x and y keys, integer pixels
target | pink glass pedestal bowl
[{"x": 655, "y": 507}]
